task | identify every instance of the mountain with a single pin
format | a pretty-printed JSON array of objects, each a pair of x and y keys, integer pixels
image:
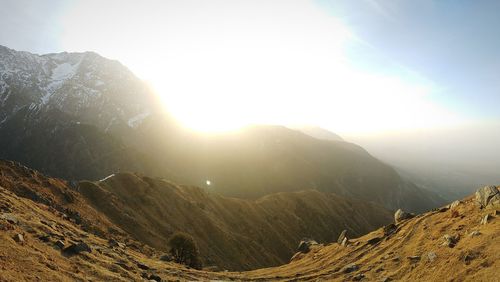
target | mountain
[
  {"x": 41, "y": 219},
  {"x": 318, "y": 133},
  {"x": 231, "y": 233},
  {"x": 80, "y": 116}
]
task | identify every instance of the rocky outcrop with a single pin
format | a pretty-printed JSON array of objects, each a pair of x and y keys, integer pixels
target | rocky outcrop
[
  {"x": 488, "y": 197},
  {"x": 401, "y": 215},
  {"x": 305, "y": 245}
]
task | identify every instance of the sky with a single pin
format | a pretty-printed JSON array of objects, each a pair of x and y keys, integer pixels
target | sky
[{"x": 353, "y": 67}]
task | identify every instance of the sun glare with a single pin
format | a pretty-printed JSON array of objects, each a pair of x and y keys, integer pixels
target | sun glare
[{"x": 219, "y": 70}]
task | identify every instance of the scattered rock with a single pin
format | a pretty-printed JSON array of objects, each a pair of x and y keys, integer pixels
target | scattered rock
[
  {"x": 488, "y": 196},
  {"x": 74, "y": 249},
  {"x": 154, "y": 277},
  {"x": 390, "y": 229},
  {"x": 12, "y": 219},
  {"x": 345, "y": 242},
  {"x": 113, "y": 243},
  {"x": 19, "y": 238},
  {"x": 401, "y": 215},
  {"x": 305, "y": 245},
  {"x": 454, "y": 204},
  {"x": 351, "y": 268},
  {"x": 123, "y": 265},
  {"x": 142, "y": 266},
  {"x": 475, "y": 233},
  {"x": 414, "y": 259},
  {"x": 44, "y": 238},
  {"x": 485, "y": 219},
  {"x": 166, "y": 257},
  {"x": 431, "y": 256},
  {"x": 450, "y": 241},
  {"x": 358, "y": 277},
  {"x": 374, "y": 241},
  {"x": 60, "y": 244},
  {"x": 342, "y": 236},
  {"x": 468, "y": 256}
]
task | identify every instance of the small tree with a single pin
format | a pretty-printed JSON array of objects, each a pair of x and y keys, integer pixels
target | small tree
[{"x": 184, "y": 250}]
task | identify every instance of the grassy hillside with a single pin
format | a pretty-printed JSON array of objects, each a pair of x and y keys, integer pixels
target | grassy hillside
[{"x": 231, "y": 233}]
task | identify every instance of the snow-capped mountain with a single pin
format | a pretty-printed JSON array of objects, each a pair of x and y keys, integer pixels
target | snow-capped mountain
[{"x": 88, "y": 87}]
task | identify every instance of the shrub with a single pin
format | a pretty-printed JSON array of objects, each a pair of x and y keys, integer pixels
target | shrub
[{"x": 184, "y": 250}]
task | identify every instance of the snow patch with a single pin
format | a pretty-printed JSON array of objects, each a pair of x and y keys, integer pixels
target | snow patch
[{"x": 107, "y": 177}]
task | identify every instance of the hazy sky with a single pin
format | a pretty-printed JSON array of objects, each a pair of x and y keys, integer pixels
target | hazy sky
[{"x": 349, "y": 66}]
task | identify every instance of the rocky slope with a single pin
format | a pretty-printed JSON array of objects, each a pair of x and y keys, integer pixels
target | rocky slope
[
  {"x": 81, "y": 116},
  {"x": 453, "y": 243}
]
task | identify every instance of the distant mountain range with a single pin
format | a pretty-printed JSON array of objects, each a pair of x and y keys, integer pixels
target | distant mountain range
[{"x": 81, "y": 116}]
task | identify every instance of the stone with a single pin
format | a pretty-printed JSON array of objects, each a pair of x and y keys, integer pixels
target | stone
[
  {"x": 488, "y": 196},
  {"x": 305, "y": 245},
  {"x": 60, "y": 244},
  {"x": 345, "y": 242},
  {"x": 358, "y": 277},
  {"x": 142, "y": 266},
  {"x": 19, "y": 238},
  {"x": 455, "y": 204},
  {"x": 342, "y": 235},
  {"x": 12, "y": 219},
  {"x": 351, "y": 268},
  {"x": 431, "y": 256},
  {"x": 414, "y": 259},
  {"x": 485, "y": 219},
  {"x": 374, "y": 240},
  {"x": 154, "y": 277},
  {"x": 450, "y": 241},
  {"x": 113, "y": 243},
  {"x": 74, "y": 249},
  {"x": 166, "y": 257},
  {"x": 401, "y": 215},
  {"x": 390, "y": 229},
  {"x": 475, "y": 233}
]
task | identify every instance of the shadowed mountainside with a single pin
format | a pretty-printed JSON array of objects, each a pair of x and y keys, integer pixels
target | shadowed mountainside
[{"x": 231, "y": 233}]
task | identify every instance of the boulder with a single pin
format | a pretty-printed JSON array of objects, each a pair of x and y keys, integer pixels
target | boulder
[
  {"x": 345, "y": 242},
  {"x": 431, "y": 256},
  {"x": 305, "y": 245},
  {"x": 19, "y": 238},
  {"x": 351, "y": 268},
  {"x": 74, "y": 249},
  {"x": 401, "y": 215},
  {"x": 342, "y": 235},
  {"x": 12, "y": 219},
  {"x": 390, "y": 229},
  {"x": 450, "y": 241},
  {"x": 60, "y": 244},
  {"x": 454, "y": 204},
  {"x": 485, "y": 219},
  {"x": 487, "y": 197}
]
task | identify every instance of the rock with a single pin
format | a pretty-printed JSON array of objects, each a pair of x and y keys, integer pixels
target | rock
[
  {"x": 74, "y": 249},
  {"x": 454, "y": 204},
  {"x": 113, "y": 243},
  {"x": 414, "y": 258},
  {"x": 475, "y": 233},
  {"x": 374, "y": 241},
  {"x": 19, "y": 238},
  {"x": 358, "y": 277},
  {"x": 12, "y": 219},
  {"x": 431, "y": 256},
  {"x": 450, "y": 241},
  {"x": 142, "y": 266},
  {"x": 60, "y": 244},
  {"x": 124, "y": 265},
  {"x": 305, "y": 245},
  {"x": 401, "y": 215},
  {"x": 345, "y": 242},
  {"x": 342, "y": 235},
  {"x": 166, "y": 257},
  {"x": 155, "y": 277},
  {"x": 488, "y": 196},
  {"x": 485, "y": 219},
  {"x": 351, "y": 268},
  {"x": 390, "y": 229}
]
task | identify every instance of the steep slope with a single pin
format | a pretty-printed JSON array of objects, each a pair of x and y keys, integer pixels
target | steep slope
[
  {"x": 231, "y": 233},
  {"x": 81, "y": 116},
  {"x": 414, "y": 251}
]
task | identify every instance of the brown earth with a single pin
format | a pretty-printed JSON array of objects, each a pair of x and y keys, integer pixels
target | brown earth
[{"x": 415, "y": 252}]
